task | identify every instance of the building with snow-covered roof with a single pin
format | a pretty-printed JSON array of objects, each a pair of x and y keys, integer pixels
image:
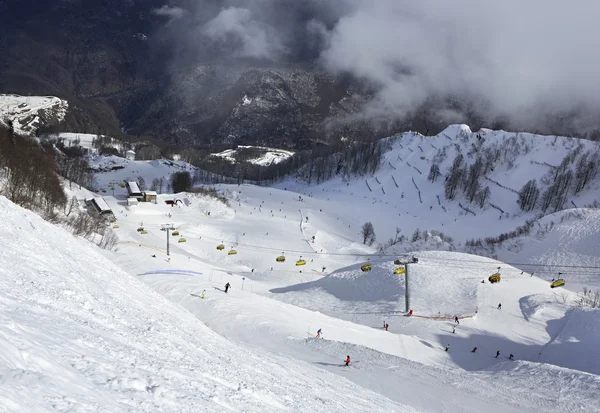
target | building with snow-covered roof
[
  {"x": 100, "y": 205},
  {"x": 130, "y": 155},
  {"x": 150, "y": 196},
  {"x": 134, "y": 190}
]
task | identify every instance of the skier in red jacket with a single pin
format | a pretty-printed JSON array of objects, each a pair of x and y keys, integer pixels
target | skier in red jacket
[{"x": 347, "y": 360}]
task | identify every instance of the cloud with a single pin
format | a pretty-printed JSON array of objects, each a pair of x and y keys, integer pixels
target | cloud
[
  {"x": 527, "y": 60},
  {"x": 171, "y": 12},
  {"x": 246, "y": 36},
  {"x": 524, "y": 58}
]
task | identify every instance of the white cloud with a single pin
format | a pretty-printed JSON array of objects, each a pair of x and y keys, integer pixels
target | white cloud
[
  {"x": 522, "y": 56},
  {"x": 249, "y": 38}
]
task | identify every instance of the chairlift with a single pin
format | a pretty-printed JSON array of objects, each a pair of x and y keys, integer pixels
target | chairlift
[
  {"x": 301, "y": 261},
  {"x": 220, "y": 247},
  {"x": 281, "y": 258},
  {"x": 181, "y": 240},
  {"x": 175, "y": 233},
  {"x": 143, "y": 232},
  {"x": 232, "y": 252},
  {"x": 366, "y": 267},
  {"x": 400, "y": 270},
  {"x": 557, "y": 283},
  {"x": 494, "y": 278}
]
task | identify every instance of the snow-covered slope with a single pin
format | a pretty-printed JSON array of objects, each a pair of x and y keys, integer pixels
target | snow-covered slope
[
  {"x": 279, "y": 306},
  {"x": 565, "y": 242},
  {"x": 25, "y": 111},
  {"x": 257, "y": 155},
  {"x": 116, "y": 169},
  {"x": 79, "y": 334},
  {"x": 403, "y": 196}
]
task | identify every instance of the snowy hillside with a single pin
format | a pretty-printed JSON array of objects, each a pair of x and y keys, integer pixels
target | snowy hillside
[
  {"x": 278, "y": 306},
  {"x": 25, "y": 111},
  {"x": 84, "y": 140},
  {"x": 257, "y": 155},
  {"x": 116, "y": 169},
  {"x": 77, "y": 334},
  {"x": 292, "y": 255},
  {"x": 409, "y": 189}
]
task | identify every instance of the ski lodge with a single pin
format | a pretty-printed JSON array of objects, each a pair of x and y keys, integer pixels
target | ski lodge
[
  {"x": 100, "y": 206},
  {"x": 135, "y": 195},
  {"x": 133, "y": 190}
]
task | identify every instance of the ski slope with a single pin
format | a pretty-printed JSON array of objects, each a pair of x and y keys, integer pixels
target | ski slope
[
  {"x": 278, "y": 307},
  {"x": 128, "y": 330},
  {"x": 79, "y": 334}
]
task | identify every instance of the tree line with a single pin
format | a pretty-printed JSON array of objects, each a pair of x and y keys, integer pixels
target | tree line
[{"x": 29, "y": 173}]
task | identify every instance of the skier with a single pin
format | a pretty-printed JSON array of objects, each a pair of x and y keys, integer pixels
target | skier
[
  {"x": 456, "y": 320},
  {"x": 227, "y": 287},
  {"x": 319, "y": 332},
  {"x": 203, "y": 291},
  {"x": 510, "y": 357},
  {"x": 347, "y": 360},
  {"x": 474, "y": 350},
  {"x": 483, "y": 281},
  {"x": 447, "y": 347},
  {"x": 497, "y": 354},
  {"x": 383, "y": 323},
  {"x": 386, "y": 327},
  {"x": 500, "y": 306},
  {"x": 454, "y": 330},
  {"x": 324, "y": 268}
]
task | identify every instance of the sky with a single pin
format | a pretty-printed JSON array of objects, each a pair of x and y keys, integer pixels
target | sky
[{"x": 523, "y": 59}]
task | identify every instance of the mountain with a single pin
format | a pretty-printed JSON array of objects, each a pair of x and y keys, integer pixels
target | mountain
[{"x": 155, "y": 69}]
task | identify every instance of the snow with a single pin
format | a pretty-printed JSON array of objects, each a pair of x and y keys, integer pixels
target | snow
[
  {"x": 23, "y": 111},
  {"x": 132, "y": 331},
  {"x": 78, "y": 334},
  {"x": 268, "y": 156}
]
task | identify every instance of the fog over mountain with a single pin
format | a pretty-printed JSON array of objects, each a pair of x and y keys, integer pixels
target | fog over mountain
[
  {"x": 523, "y": 60},
  {"x": 290, "y": 73}
]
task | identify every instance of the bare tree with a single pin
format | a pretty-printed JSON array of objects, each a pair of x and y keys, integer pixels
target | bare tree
[
  {"x": 589, "y": 299},
  {"x": 368, "y": 233},
  {"x": 528, "y": 195},
  {"x": 454, "y": 177},
  {"x": 141, "y": 183},
  {"x": 434, "y": 172}
]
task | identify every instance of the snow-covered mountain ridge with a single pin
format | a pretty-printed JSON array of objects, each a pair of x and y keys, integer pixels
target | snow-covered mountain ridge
[{"x": 28, "y": 113}]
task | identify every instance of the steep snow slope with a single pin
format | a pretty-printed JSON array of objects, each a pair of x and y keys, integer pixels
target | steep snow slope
[{"x": 79, "y": 334}]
